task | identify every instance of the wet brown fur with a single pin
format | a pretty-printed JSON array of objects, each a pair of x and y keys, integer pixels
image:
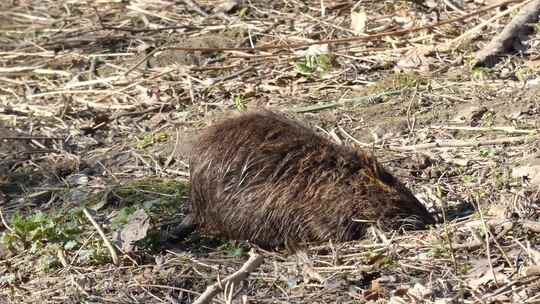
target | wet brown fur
[{"x": 268, "y": 179}]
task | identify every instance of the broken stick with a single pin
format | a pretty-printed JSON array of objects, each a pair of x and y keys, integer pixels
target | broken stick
[
  {"x": 254, "y": 261},
  {"x": 510, "y": 38}
]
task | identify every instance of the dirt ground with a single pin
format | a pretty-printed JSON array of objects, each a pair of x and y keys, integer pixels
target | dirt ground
[{"x": 100, "y": 102}]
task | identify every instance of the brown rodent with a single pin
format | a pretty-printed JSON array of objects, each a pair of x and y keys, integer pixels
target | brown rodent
[{"x": 263, "y": 177}]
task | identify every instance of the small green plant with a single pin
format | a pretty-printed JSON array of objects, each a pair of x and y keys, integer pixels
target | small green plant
[
  {"x": 233, "y": 249},
  {"x": 487, "y": 152},
  {"x": 38, "y": 230},
  {"x": 161, "y": 199},
  {"x": 503, "y": 179},
  {"x": 465, "y": 268},
  {"x": 488, "y": 119},
  {"x": 536, "y": 28},
  {"x": 313, "y": 64},
  {"x": 480, "y": 73},
  {"x": 468, "y": 179},
  {"x": 122, "y": 217},
  {"x": 144, "y": 191},
  {"x": 151, "y": 139},
  {"x": 240, "y": 103},
  {"x": 8, "y": 278},
  {"x": 524, "y": 73},
  {"x": 48, "y": 262},
  {"x": 44, "y": 235},
  {"x": 243, "y": 12},
  {"x": 437, "y": 252}
]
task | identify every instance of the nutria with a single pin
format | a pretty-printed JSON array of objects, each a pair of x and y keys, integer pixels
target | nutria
[{"x": 271, "y": 180}]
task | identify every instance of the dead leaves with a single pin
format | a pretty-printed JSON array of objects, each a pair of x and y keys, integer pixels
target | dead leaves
[
  {"x": 485, "y": 276},
  {"x": 416, "y": 59},
  {"x": 136, "y": 229}
]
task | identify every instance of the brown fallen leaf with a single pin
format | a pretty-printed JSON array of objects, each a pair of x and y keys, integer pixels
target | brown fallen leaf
[
  {"x": 415, "y": 59},
  {"x": 136, "y": 229}
]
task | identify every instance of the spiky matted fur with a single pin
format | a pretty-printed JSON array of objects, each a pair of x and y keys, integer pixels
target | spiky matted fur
[{"x": 265, "y": 178}]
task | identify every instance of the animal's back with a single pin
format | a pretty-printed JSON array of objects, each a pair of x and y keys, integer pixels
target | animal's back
[{"x": 268, "y": 179}]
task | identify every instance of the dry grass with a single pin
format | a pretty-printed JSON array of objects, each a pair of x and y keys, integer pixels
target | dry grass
[{"x": 97, "y": 94}]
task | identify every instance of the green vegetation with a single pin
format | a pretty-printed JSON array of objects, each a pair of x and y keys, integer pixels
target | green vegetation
[
  {"x": 150, "y": 139},
  {"x": 68, "y": 231},
  {"x": 487, "y": 152},
  {"x": 240, "y": 103},
  {"x": 48, "y": 236},
  {"x": 397, "y": 82},
  {"x": 38, "y": 230},
  {"x": 161, "y": 197},
  {"x": 234, "y": 249},
  {"x": 524, "y": 73},
  {"x": 314, "y": 64},
  {"x": 480, "y": 73}
]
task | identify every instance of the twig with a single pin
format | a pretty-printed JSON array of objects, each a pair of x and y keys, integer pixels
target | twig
[
  {"x": 532, "y": 226},
  {"x": 480, "y": 129},
  {"x": 356, "y": 141},
  {"x": 479, "y": 243},
  {"x": 4, "y": 221},
  {"x": 254, "y": 261},
  {"x": 462, "y": 143},
  {"x": 486, "y": 232},
  {"x": 509, "y": 285},
  {"x": 78, "y": 286},
  {"x": 111, "y": 248},
  {"x": 141, "y": 61},
  {"x": 167, "y": 287},
  {"x": 448, "y": 238},
  {"x": 29, "y": 138},
  {"x": 369, "y": 99}
]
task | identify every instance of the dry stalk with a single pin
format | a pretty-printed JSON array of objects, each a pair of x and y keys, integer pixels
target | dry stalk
[
  {"x": 465, "y": 143},
  {"x": 112, "y": 249},
  {"x": 254, "y": 261}
]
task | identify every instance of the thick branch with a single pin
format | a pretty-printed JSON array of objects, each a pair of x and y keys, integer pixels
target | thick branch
[{"x": 510, "y": 38}]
